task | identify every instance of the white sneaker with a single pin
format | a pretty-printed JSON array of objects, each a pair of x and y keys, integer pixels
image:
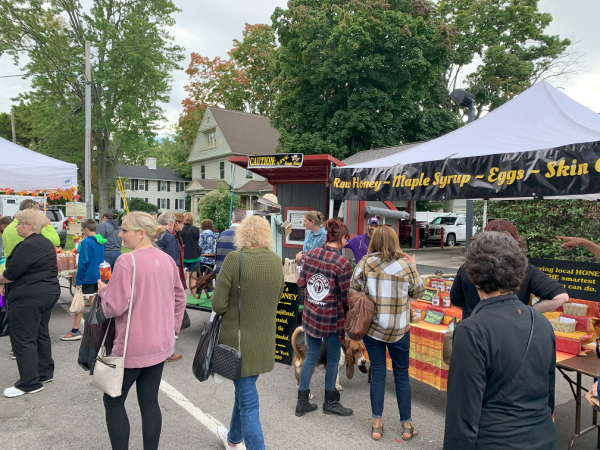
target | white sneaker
[
  {"x": 222, "y": 434},
  {"x": 15, "y": 392}
]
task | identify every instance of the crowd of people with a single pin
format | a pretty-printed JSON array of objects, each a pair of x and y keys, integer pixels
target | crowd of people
[{"x": 501, "y": 377}]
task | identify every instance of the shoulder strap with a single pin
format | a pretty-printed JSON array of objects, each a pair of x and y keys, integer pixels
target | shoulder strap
[
  {"x": 240, "y": 305},
  {"x": 130, "y": 304},
  {"x": 488, "y": 397}
]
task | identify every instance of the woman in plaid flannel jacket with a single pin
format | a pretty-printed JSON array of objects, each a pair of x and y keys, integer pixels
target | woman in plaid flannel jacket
[
  {"x": 390, "y": 279},
  {"x": 323, "y": 283}
]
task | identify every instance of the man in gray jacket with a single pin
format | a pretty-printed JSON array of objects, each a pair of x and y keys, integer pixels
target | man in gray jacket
[{"x": 109, "y": 230}]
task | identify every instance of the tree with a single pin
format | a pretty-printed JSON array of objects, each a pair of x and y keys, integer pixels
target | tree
[
  {"x": 355, "y": 75},
  {"x": 131, "y": 73},
  {"x": 242, "y": 82},
  {"x": 216, "y": 206},
  {"x": 138, "y": 204},
  {"x": 507, "y": 36},
  {"x": 541, "y": 220}
]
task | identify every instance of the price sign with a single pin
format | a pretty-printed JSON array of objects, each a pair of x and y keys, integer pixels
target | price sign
[
  {"x": 434, "y": 317},
  {"x": 429, "y": 294},
  {"x": 76, "y": 209}
]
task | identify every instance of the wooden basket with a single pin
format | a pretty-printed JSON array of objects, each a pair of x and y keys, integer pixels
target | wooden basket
[
  {"x": 575, "y": 309},
  {"x": 557, "y": 325}
]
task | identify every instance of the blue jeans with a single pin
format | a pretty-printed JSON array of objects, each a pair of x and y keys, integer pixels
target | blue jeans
[
  {"x": 245, "y": 421},
  {"x": 399, "y": 352},
  {"x": 111, "y": 258},
  {"x": 333, "y": 346}
]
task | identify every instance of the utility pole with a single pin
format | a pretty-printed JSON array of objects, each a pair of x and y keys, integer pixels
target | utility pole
[
  {"x": 12, "y": 123},
  {"x": 88, "y": 133}
]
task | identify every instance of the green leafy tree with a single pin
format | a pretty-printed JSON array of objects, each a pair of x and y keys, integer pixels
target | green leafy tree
[
  {"x": 216, "y": 206},
  {"x": 138, "y": 204},
  {"x": 540, "y": 221},
  {"x": 507, "y": 37},
  {"x": 242, "y": 82},
  {"x": 133, "y": 57},
  {"x": 355, "y": 75},
  {"x": 171, "y": 151}
]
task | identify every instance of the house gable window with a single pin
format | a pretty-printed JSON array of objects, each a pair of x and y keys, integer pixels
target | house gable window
[
  {"x": 249, "y": 174},
  {"x": 210, "y": 138},
  {"x": 222, "y": 170},
  {"x": 202, "y": 172}
]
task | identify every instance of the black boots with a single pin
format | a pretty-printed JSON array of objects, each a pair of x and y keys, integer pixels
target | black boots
[
  {"x": 332, "y": 404},
  {"x": 303, "y": 405}
]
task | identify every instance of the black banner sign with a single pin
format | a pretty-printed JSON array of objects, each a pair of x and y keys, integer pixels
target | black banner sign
[
  {"x": 568, "y": 170},
  {"x": 581, "y": 280},
  {"x": 279, "y": 160},
  {"x": 287, "y": 313}
]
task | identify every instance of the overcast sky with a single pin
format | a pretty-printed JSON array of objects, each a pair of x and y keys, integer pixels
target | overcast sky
[{"x": 209, "y": 28}]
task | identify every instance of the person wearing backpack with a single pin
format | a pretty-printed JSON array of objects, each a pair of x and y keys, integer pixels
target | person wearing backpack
[{"x": 109, "y": 230}]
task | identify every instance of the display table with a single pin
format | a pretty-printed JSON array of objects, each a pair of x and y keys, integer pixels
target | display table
[
  {"x": 588, "y": 365},
  {"x": 70, "y": 276}
]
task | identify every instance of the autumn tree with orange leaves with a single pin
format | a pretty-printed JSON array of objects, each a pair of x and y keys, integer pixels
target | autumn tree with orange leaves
[{"x": 242, "y": 82}]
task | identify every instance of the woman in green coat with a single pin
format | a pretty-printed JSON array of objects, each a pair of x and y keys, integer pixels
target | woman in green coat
[{"x": 261, "y": 287}]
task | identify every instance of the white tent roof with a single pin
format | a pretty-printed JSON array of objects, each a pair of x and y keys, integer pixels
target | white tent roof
[
  {"x": 22, "y": 169},
  {"x": 540, "y": 118}
]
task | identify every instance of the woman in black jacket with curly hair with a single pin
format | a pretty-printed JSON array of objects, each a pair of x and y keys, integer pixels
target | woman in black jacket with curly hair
[{"x": 501, "y": 378}]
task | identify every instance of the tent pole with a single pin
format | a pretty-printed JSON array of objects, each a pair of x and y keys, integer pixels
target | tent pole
[{"x": 484, "y": 214}]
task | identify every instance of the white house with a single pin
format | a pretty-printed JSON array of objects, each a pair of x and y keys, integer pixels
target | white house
[
  {"x": 224, "y": 133},
  {"x": 160, "y": 186}
]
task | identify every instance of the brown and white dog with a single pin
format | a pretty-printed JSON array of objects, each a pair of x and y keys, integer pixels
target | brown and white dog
[{"x": 352, "y": 353}]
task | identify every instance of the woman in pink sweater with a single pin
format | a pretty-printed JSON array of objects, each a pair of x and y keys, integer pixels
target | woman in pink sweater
[{"x": 156, "y": 314}]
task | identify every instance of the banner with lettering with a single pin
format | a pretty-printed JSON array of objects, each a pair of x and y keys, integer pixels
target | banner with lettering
[
  {"x": 580, "y": 279},
  {"x": 567, "y": 170},
  {"x": 287, "y": 313},
  {"x": 278, "y": 160}
]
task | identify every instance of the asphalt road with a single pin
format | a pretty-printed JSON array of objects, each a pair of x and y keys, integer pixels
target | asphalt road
[{"x": 69, "y": 413}]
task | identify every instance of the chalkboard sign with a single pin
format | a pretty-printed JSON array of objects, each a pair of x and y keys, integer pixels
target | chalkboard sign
[
  {"x": 429, "y": 294},
  {"x": 287, "y": 311},
  {"x": 581, "y": 280},
  {"x": 434, "y": 317}
]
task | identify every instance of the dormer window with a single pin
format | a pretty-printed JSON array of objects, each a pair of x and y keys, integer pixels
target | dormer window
[{"x": 210, "y": 138}]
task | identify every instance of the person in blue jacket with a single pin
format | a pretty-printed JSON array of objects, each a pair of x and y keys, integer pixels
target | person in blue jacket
[
  {"x": 91, "y": 255},
  {"x": 360, "y": 244},
  {"x": 315, "y": 233}
]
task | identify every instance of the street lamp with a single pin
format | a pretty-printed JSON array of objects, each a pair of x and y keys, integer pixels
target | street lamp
[{"x": 467, "y": 100}]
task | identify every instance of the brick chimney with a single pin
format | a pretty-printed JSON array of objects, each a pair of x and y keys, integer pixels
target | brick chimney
[{"x": 151, "y": 163}]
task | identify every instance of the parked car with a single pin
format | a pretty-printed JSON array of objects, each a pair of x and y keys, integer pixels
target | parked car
[
  {"x": 58, "y": 221},
  {"x": 455, "y": 230},
  {"x": 406, "y": 232}
]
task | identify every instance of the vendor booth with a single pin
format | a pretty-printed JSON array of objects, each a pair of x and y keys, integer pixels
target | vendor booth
[{"x": 542, "y": 144}]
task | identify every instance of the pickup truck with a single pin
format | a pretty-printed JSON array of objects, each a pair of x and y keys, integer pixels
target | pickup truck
[
  {"x": 455, "y": 230},
  {"x": 405, "y": 232}
]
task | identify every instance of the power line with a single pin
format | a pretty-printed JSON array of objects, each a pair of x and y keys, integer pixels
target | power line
[{"x": 71, "y": 113}]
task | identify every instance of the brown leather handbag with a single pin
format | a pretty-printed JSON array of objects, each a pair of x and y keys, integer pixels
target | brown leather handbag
[{"x": 360, "y": 315}]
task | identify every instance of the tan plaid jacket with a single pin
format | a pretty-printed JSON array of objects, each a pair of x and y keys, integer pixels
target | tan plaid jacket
[{"x": 391, "y": 285}]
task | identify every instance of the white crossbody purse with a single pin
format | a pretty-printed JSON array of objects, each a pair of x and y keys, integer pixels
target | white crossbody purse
[{"x": 108, "y": 369}]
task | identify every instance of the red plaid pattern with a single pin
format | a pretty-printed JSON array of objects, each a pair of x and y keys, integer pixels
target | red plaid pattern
[{"x": 322, "y": 317}]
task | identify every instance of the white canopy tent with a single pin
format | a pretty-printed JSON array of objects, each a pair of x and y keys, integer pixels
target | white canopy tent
[
  {"x": 25, "y": 170},
  {"x": 541, "y": 118}
]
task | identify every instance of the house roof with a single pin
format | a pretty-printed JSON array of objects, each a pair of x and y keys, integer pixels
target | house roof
[
  {"x": 376, "y": 153},
  {"x": 247, "y": 134},
  {"x": 256, "y": 185},
  {"x": 142, "y": 172}
]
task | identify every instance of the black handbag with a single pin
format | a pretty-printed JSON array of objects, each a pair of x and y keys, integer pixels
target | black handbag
[
  {"x": 227, "y": 361},
  {"x": 201, "y": 366}
]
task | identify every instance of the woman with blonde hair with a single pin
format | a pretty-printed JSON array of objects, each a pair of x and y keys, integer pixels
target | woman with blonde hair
[
  {"x": 261, "y": 287},
  {"x": 31, "y": 287},
  {"x": 389, "y": 278},
  {"x": 315, "y": 233},
  {"x": 157, "y": 310}
]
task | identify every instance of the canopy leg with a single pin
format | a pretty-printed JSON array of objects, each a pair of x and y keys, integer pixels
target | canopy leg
[{"x": 484, "y": 214}]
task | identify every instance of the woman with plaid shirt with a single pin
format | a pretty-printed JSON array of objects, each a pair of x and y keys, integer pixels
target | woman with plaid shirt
[
  {"x": 390, "y": 279},
  {"x": 324, "y": 281}
]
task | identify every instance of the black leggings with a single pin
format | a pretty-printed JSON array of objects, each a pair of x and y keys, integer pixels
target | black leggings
[{"x": 147, "y": 382}]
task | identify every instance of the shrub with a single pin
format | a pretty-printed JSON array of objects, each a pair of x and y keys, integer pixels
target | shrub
[
  {"x": 540, "y": 221},
  {"x": 216, "y": 206}
]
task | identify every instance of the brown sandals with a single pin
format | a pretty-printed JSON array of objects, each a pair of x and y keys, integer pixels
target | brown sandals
[
  {"x": 409, "y": 430},
  {"x": 378, "y": 430}
]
